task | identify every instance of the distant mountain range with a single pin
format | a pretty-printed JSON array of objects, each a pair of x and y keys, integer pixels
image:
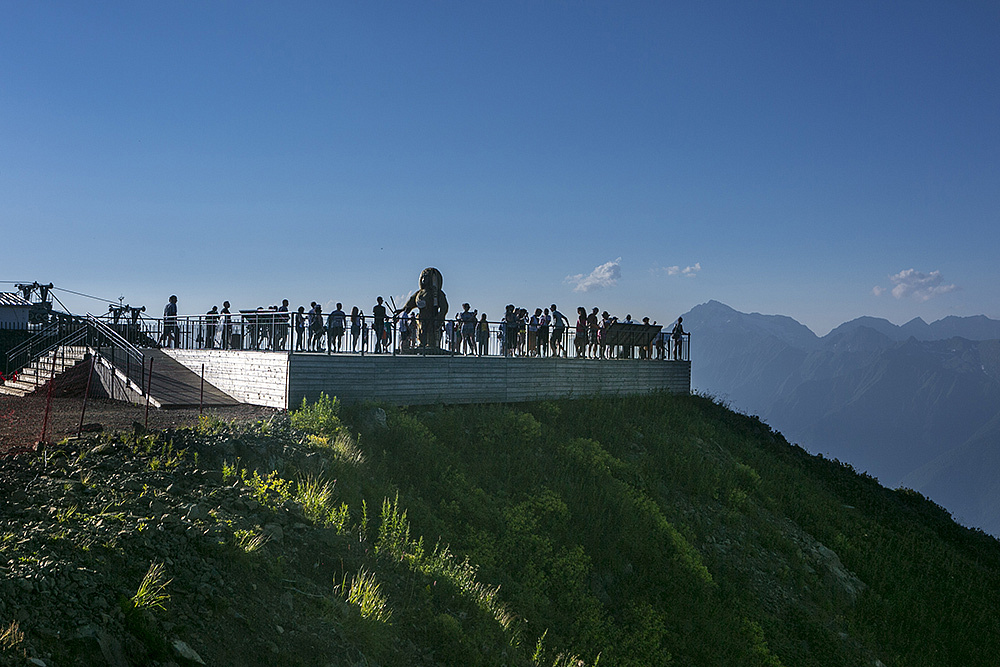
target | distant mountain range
[{"x": 916, "y": 405}]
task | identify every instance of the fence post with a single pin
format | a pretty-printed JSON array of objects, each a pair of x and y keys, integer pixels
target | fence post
[
  {"x": 86, "y": 395},
  {"x": 48, "y": 400},
  {"x": 149, "y": 383}
]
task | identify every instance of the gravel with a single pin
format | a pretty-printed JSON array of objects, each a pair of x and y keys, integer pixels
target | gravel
[{"x": 21, "y": 419}]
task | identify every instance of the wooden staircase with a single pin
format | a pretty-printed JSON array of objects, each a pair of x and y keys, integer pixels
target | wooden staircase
[{"x": 43, "y": 369}]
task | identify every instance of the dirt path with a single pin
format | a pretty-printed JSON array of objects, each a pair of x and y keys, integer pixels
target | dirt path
[{"x": 21, "y": 418}]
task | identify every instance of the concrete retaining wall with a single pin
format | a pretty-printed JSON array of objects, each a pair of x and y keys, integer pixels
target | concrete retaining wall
[
  {"x": 258, "y": 378},
  {"x": 413, "y": 380},
  {"x": 278, "y": 379}
]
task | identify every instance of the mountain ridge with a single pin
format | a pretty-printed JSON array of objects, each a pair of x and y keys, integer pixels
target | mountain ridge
[
  {"x": 648, "y": 530},
  {"x": 890, "y": 399}
]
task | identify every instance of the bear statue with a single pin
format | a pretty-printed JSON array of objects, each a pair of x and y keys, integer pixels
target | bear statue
[{"x": 432, "y": 306}]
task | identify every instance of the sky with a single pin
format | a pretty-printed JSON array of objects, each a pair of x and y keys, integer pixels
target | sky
[{"x": 823, "y": 161}]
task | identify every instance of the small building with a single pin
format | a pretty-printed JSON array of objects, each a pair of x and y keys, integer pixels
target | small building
[{"x": 14, "y": 311}]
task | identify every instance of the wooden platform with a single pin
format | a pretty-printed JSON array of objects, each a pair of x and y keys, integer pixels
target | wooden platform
[{"x": 280, "y": 379}]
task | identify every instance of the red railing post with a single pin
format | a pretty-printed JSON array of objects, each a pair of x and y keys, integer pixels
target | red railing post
[{"x": 48, "y": 400}]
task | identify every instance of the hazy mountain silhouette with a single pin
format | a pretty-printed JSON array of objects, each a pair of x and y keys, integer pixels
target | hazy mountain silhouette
[
  {"x": 915, "y": 404},
  {"x": 978, "y": 327},
  {"x": 966, "y": 478}
]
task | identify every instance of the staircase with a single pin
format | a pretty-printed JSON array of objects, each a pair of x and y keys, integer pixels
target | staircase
[
  {"x": 126, "y": 372},
  {"x": 43, "y": 369}
]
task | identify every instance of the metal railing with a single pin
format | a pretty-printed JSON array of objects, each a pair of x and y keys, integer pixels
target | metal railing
[
  {"x": 111, "y": 344},
  {"x": 282, "y": 331},
  {"x": 88, "y": 331},
  {"x": 44, "y": 368},
  {"x": 121, "y": 342},
  {"x": 40, "y": 344}
]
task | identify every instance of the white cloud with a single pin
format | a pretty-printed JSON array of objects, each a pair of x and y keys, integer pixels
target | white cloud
[
  {"x": 913, "y": 283},
  {"x": 687, "y": 271},
  {"x": 605, "y": 275}
]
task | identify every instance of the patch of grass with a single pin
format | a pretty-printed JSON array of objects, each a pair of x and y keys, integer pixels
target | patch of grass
[
  {"x": 320, "y": 418},
  {"x": 364, "y": 591},
  {"x": 230, "y": 470},
  {"x": 250, "y": 541},
  {"x": 152, "y": 590},
  {"x": 65, "y": 514},
  {"x": 11, "y": 638},
  {"x": 342, "y": 446},
  {"x": 160, "y": 454},
  {"x": 270, "y": 490},
  {"x": 319, "y": 505},
  {"x": 210, "y": 424},
  {"x": 394, "y": 533}
]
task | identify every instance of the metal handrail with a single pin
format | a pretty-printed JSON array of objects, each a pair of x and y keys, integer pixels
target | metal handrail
[
  {"x": 47, "y": 331},
  {"x": 67, "y": 341},
  {"x": 269, "y": 330},
  {"x": 116, "y": 337},
  {"x": 134, "y": 359},
  {"x": 41, "y": 344},
  {"x": 24, "y": 348},
  {"x": 90, "y": 331}
]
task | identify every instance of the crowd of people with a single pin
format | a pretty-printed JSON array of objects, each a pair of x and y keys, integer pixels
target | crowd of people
[
  {"x": 594, "y": 335},
  {"x": 543, "y": 333}
]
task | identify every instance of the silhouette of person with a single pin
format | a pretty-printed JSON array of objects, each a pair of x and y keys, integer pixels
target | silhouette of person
[
  {"x": 677, "y": 335},
  {"x": 379, "y": 315},
  {"x": 468, "y": 320},
  {"x": 170, "y": 331},
  {"x": 335, "y": 324},
  {"x": 483, "y": 335},
  {"x": 356, "y": 319},
  {"x": 281, "y": 326},
  {"x": 227, "y": 326},
  {"x": 559, "y": 323},
  {"x": 211, "y": 324},
  {"x": 300, "y": 327}
]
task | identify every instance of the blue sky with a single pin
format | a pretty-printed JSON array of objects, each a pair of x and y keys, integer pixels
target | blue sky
[{"x": 818, "y": 160}]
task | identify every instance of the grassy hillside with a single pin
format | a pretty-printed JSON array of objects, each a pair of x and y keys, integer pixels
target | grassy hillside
[{"x": 660, "y": 530}]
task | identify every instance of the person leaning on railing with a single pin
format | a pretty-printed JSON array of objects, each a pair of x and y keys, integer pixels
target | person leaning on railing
[
  {"x": 544, "y": 338},
  {"x": 559, "y": 323}
]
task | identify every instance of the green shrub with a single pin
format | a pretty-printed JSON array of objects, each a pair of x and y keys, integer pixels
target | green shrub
[{"x": 319, "y": 418}]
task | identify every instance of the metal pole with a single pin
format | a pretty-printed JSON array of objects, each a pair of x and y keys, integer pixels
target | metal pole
[
  {"x": 393, "y": 339},
  {"x": 201, "y": 398},
  {"x": 48, "y": 400},
  {"x": 86, "y": 395},
  {"x": 149, "y": 383}
]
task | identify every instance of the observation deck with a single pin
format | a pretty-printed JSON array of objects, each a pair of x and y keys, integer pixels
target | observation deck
[{"x": 259, "y": 357}]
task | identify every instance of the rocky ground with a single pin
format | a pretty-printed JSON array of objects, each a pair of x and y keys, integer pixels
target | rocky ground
[
  {"x": 248, "y": 578},
  {"x": 22, "y": 419}
]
